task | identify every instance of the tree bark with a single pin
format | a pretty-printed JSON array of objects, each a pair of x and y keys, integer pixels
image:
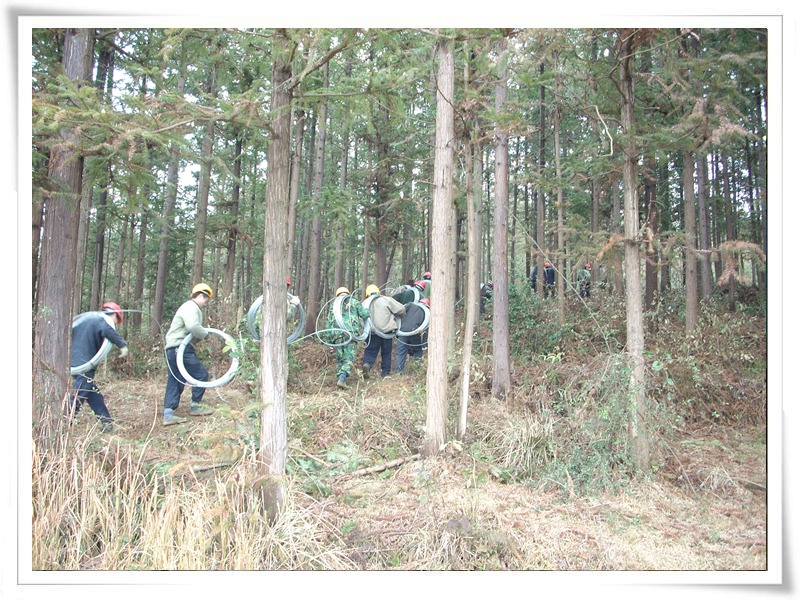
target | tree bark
[
  {"x": 473, "y": 260},
  {"x": 441, "y": 230},
  {"x": 294, "y": 193},
  {"x": 204, "y": 189},
  {"x": 167, "y": 223},
  {"x": 690, "y": 222},
  {"x": 53, "y": 319},
  {"x": 230, "y": 312},
  {"x": 635, "y": 327},
  {"x": 561, "y": 269},
  {"x": 273, "y": 447},
  {"x": 315, "y": 257},
  {"x": 706, "y": 283},
  {"x": 501, "y": 368}
]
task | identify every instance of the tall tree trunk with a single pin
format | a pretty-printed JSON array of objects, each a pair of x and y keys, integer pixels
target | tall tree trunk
[
  {"x": 201, "y": 216},
  {"x": 637, "y": 425},
  {"x": 167, "y": 223},
  {"x": 540, "y": 212},
  {"x": 501, "y": 367},
  {"x": 138, "y": 286},
  {"x": 561, "y": 269},
  {"x": 706, "y": 283},
  {"x": 99, "y": 248},
  {"x": 690, "y": 222},
  {"x": 229, "y": 317},
  {"x": 38, "y": 219},
  {"x": 53, "y": 319},
  {"x": 619, "y": 283},
  {"x": 118, "y": 263},
  {"x": 83, "y": 240},
  {"x": 730, "y": 235},
  {"x": 273, "y": 447},
  {"x": 473, "y": 193},
  {"x": 441, "y": 230},
  {"x": 652, "y": 222},
  {"x": 294, "y": 193},
  {"x": 314, "y": 288},
  {"x": 338, "y": 272}
]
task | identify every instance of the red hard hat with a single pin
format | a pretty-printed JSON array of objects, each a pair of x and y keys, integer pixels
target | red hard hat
[
  {"x": 421, "y": 285},
  {"x": 288, "y": 282},
  {"x": 547, "y": 264},
  {"x": 427, "y": 275},
  {"x": 426, "y": 302},
  {"x": 111, "y": 308}
]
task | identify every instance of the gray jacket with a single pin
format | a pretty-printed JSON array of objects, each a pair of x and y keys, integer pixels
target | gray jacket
[{"x": 382, "y": 311}]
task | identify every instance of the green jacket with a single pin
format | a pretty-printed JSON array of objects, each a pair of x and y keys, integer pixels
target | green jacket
[
  {"x": 352, "y": 314},
  {"x": 426, "y": 293},
  {"x": 188, "y": 319}
]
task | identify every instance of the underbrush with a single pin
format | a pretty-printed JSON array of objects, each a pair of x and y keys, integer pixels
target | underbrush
[{"x": 359, "y": 494}]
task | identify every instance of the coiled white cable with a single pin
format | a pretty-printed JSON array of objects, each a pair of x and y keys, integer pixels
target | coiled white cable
[
  {"x": 425, "y": 322},
  {"x": 375, "y": 330},
  {"x": 105, "y": 348},
  {"x": 206, "y": 384},
  {"x": 252, "y": 313}
]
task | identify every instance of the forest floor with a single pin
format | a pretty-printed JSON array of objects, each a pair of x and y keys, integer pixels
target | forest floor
[{"x": 703, "y": 509}]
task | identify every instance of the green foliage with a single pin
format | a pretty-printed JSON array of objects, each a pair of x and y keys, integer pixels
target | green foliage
[{"x": 534, "y": 325}]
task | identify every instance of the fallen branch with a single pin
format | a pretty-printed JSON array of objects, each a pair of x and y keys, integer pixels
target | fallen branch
[
  {"x": 307, "y": 455},
  {"x": 379, "y": 468}
]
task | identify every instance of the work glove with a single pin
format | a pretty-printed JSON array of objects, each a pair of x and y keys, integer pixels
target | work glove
[{"x": 123, "y": 352}]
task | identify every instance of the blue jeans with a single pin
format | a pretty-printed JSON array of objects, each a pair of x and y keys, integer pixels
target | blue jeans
[
  {"x": 86, "y": 390},
  {"x": 412, "y": 345},
  {"x": 377, "y": 343},
  {"x": 175, "y": 381}
]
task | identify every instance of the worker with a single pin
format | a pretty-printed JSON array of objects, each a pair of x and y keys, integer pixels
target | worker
[
  {"x": 352, "y": 315},
  {"x": 384, "y": 312},
  {"x": 88, "y": 335},
  {"x": 411, "y": 344},
  {"x": 188, "y": 319}
]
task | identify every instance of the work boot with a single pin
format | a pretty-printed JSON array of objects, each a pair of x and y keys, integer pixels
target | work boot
[
  {"x": 341, "y": 383},
  {"x": 106, "y": 427},
  {"x": 173, "y": 420},
  {"x": 198, "y": 410},
  {"x": 365, "y": 370}
]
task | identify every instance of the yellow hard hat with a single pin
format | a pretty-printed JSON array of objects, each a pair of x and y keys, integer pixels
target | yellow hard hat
[
  {"x": 342, "y": 290},
  {"x": 372, "y": 289},
  {"x": 202, "y": 287}
]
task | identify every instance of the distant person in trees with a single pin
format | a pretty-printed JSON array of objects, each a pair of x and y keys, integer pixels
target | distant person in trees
[
  {"x": 485, "y": 293},
  {"x": 411, "y": 293},
  {"x": 89, "y": 333},
  {"x": 352, "y": 313},
  {"x": 585, "y": 281},
  {"x": 549, "y": 279},
  {"x": 426, "y": 279},
  {"x": 411, "y": 344},
  {"x": 382, "y": 310},
  {"x": 188, "y": 319}
]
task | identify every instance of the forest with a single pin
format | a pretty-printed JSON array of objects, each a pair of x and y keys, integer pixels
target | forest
[{"x": 612, "y": 420}]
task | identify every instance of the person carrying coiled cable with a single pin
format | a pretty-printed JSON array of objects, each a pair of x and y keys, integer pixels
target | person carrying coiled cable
[
  {"x": 383, "y": 311},
  {"x": 352, "y": 313},
  {"x": 188, "y": 319},
  {"x": 411, "y": 344},
  {"x": 89, "y": 332}
]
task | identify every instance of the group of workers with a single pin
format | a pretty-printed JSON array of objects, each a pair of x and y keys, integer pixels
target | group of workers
[
  {"x": 92, "y": 330},
  {"x": 399, "y": 316},
  {"x": 584, "y": 280}
]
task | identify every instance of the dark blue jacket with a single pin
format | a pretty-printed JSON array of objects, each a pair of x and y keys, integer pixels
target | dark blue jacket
[
  {"x": 415, "y": 316},
  {"x": 88, "y": 336}
]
